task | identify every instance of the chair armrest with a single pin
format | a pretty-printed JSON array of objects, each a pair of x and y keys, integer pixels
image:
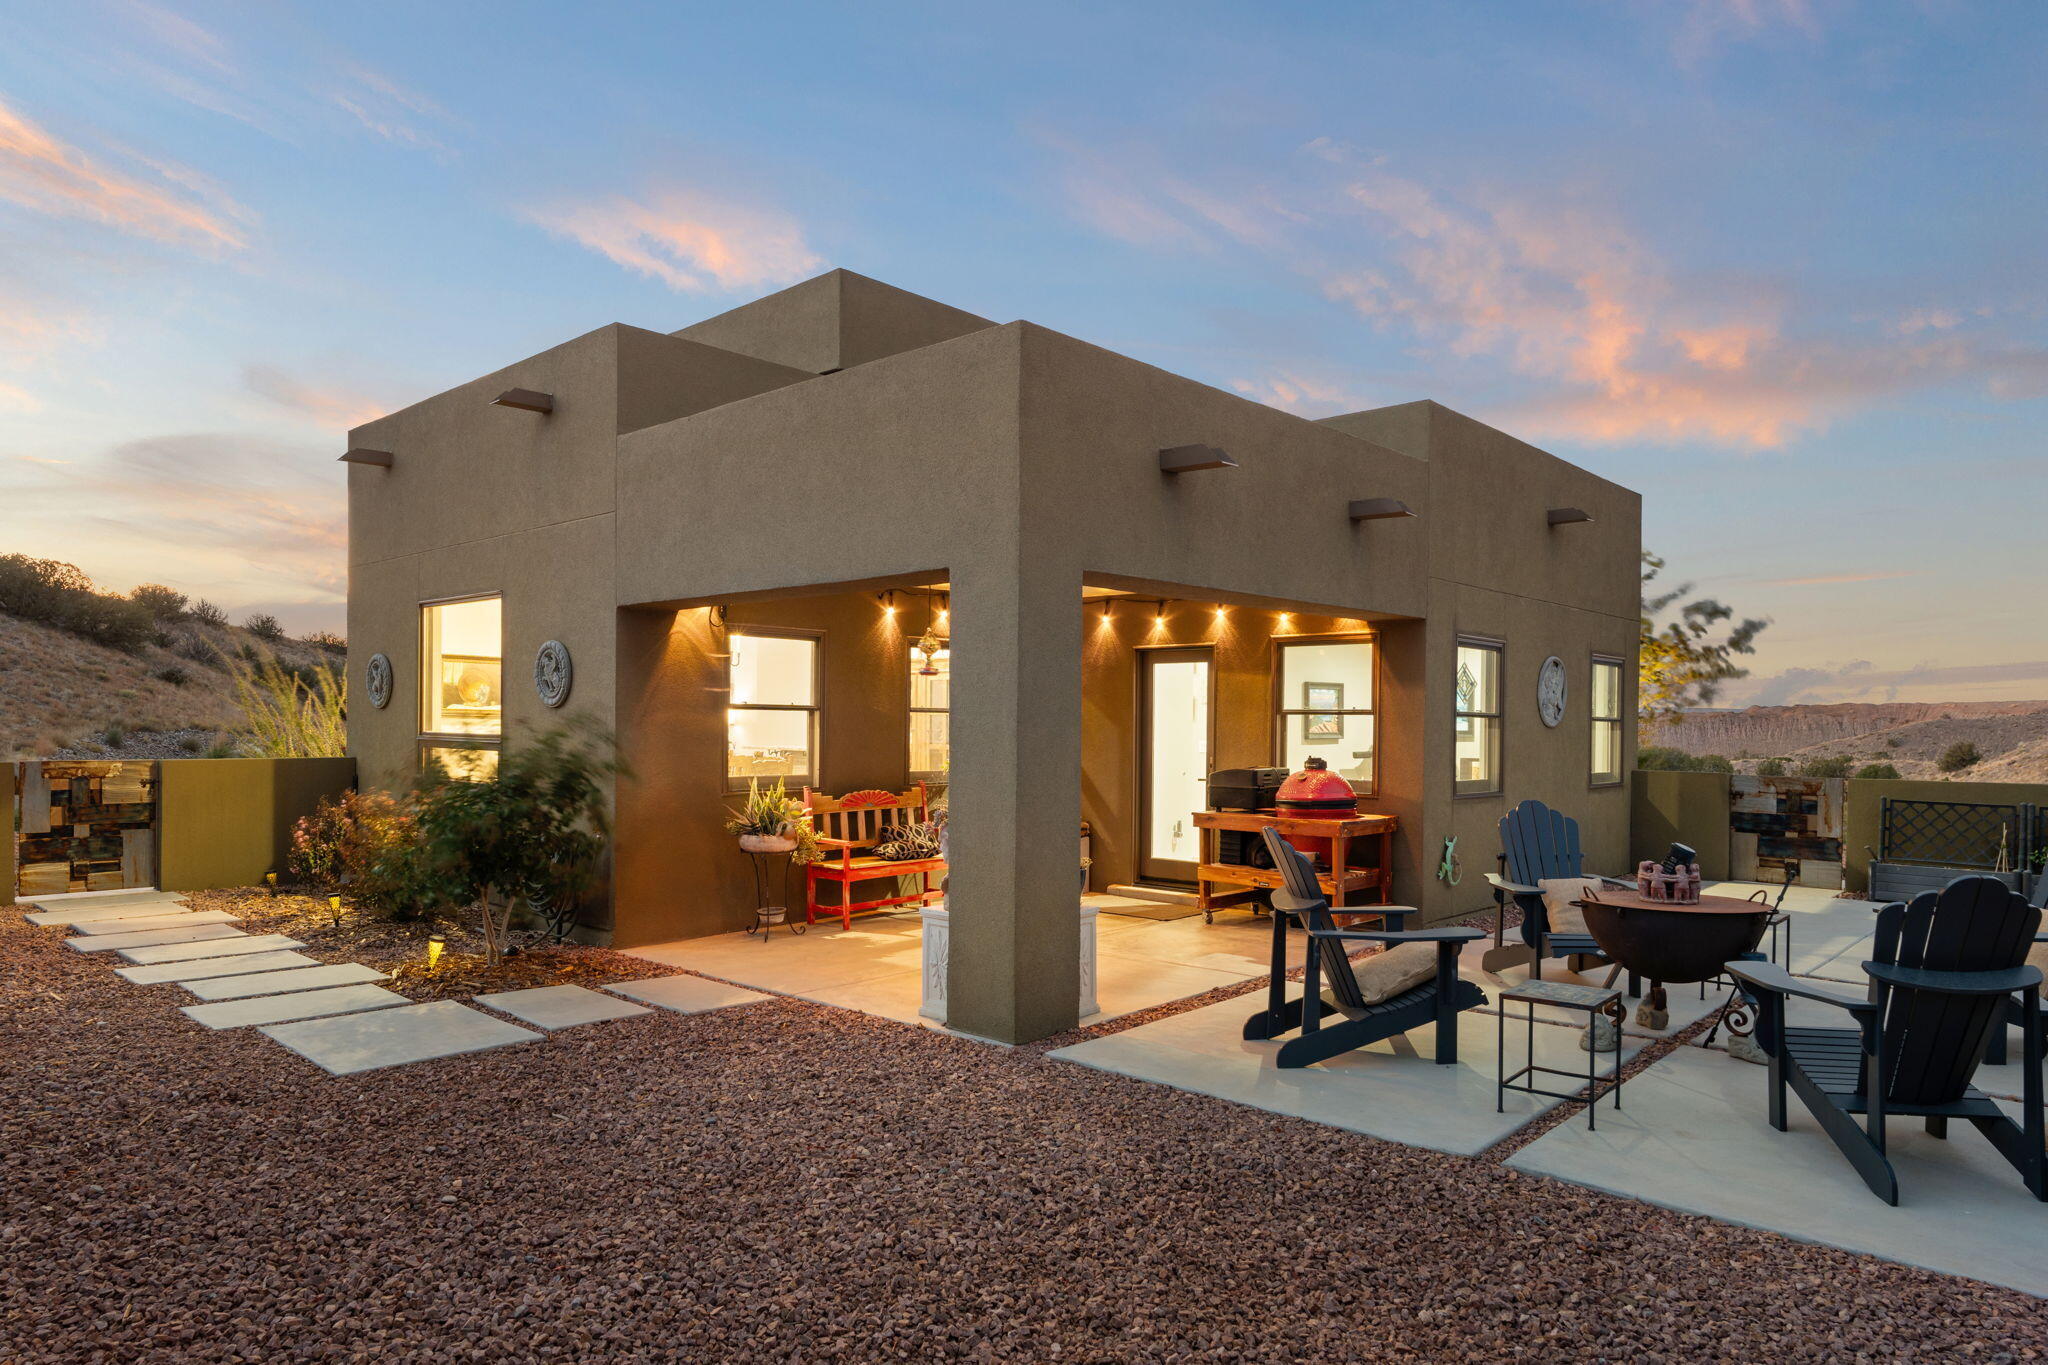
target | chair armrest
[
  {"x": 1513, "y": 888},
  {"x": 1766, "y": 976},
  {"x": 823, "y": 842},
  {"x": 1286, "y": 902},
  {"x": 1453, "y": 934},
  {"x": 2006, "y": 982}
]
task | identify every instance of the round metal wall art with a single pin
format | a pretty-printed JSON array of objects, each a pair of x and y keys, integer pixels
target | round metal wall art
[
  {"x": 1550, "y": 690},
  {"x": 377, "y": 681},
  {"x": 552, "y": 673}
]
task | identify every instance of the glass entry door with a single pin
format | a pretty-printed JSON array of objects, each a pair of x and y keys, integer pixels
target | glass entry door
[{"x": 1173, "y": 761}]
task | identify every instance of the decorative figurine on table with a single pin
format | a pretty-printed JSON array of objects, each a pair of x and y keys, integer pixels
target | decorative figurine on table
[{"x": 1676, "y": 879}]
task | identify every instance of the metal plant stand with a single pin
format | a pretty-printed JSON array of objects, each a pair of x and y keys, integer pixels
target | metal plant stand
[{"x": 766, "y": 915}]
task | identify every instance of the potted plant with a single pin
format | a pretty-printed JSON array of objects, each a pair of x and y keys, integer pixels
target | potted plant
[{"x": 773, "y": 821}]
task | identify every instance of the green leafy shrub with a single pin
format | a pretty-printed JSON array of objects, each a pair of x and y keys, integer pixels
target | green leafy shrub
[
  {"x": 1660, "y": 758},
  {"x": 264, "y": 626},
  {"x": 1958, "y": 756},
  {"x": 115, "y": 735},
  {"x": 1772, "y": 767},
  {"x": 53, "y": 593},
  {"x": 162, "y": 603},
  {"x": 206, "y": 613},
  {"x": 362, "y": 841},
  {"x": 1836, "y": 765},
  {"x": 538, "y": 826},
  {"x": 172, "y": 674},
  {"x": 1878, "y": 770}
]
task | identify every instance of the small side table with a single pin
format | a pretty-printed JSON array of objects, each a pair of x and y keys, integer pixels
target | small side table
[
  {"x": 1595, "y": 1001},
  {"x": 767, "y": 916}
]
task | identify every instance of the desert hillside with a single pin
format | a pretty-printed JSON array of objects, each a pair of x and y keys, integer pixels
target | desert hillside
[
  {"x": 61, "y": 695},
  {"x": 1911, "y": 736}
]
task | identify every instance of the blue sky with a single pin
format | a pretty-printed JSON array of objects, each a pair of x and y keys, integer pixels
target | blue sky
[{"x": 1777, "y": 263}]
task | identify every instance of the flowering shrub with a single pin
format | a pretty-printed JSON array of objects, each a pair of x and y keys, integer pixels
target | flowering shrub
[{"x": 358, "y": 840}]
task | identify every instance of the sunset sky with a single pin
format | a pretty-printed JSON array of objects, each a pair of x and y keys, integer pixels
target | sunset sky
[{"x": 1781, "y": 265}]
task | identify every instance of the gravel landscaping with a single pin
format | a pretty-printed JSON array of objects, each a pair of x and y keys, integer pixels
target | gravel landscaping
[{"x": 785, "y": 1181}]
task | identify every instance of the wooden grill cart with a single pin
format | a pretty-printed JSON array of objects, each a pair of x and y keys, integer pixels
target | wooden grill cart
[{"x": 1352, "y": 879}]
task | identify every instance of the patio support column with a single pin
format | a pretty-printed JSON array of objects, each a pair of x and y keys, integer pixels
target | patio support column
[{"x": 1015, "y": 795}]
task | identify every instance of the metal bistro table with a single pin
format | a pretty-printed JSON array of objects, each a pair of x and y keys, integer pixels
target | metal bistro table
[{"x": 1595, "y": 1001}]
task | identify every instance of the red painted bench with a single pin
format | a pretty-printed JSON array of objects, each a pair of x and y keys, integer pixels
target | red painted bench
[{"x": 848, "y": 825}]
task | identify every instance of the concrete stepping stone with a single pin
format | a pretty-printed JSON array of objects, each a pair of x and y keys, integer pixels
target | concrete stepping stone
[
  {"x": 685, "y": 994},
  {"x": 65, "y": 900},
  {"x": 277, "y": 983},
  {"x": 159, "y": 972},
  {"x": 553, "y": 1007},
  {"x": 127, "y": 910},
  {"x": 192, "y": 952},
  {"x": 151, "y": 938},
  {"x": 276, "y": 1009},
  {"x": 169, "y": 921},
  {"x": 395, "y": 1037}
]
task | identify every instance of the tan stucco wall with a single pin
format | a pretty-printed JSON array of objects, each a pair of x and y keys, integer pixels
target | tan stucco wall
[
  {"x": 834, "y": 321},
  {"x": 1687, "y": 808},
  {"x": 227, "y": 821}
]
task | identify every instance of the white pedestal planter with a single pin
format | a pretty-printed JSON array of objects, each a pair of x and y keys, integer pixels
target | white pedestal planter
[{"x": 938, "y": 935}]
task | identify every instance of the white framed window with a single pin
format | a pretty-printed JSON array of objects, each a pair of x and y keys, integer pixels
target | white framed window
[
  {"x": 1605, "y": 766},
  {"x": 771, "y": 715},
  {"x": 1324, "y": 706},
  {"x": 931, "y": 753},
  {"x": 1476, "y": 747},
  {"x": 462, "y": 685}
]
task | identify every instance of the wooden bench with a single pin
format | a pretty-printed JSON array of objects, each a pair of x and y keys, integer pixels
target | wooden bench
[{"x": 848, "y": 825}]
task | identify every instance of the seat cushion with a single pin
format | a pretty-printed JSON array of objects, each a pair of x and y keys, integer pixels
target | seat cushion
[
  {"x": 1562, "y": 917},
  {"x": 2037, "y": 956},
  {"x": 1400, "y": 968}
]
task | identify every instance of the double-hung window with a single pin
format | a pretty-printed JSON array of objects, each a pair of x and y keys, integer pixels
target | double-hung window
[
  {"x": 771, "y": 715},
  {"x": 1478, "y": 721},
  {"x": 931, "y": 681},
  {"x": 1605, "y": 768},
  {"x": 462, "y": 703}
]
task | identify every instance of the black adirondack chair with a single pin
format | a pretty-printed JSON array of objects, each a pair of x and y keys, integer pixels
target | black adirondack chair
[
  {"x": 1942, "y": 969},
  {"x": 1358, "y": 1023},
  {"x": 2015, "y": 1011},
  {"x": 1540, "y": 843}
]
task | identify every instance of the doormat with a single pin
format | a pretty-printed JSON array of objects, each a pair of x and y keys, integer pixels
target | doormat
[{"x": 1152, "y": 910}]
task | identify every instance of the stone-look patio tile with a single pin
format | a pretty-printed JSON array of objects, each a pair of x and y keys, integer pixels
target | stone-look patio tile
[
  {"x": 553, "y": 1007},
  {"x": 160, "y": 972},
  {"x": 174, "y": 920},
  {"x": 394, "y": 1037},
  {"x": 151, "y": 938},
  {"x": 91, "y": 914},
  {"x": 276, "y": 1009},
  {"x": 1393, "y": 1089},
  {"x": 224, "y": 947},
  {"x": 685, "y": 994},
  {"x": 244, "y": 986},
  {"x": 1692, "y": 1135}
]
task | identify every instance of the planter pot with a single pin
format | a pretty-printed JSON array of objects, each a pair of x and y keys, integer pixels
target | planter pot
[
  {"x": 767, "y": 843},
  {"x": 772, "y": 914}
]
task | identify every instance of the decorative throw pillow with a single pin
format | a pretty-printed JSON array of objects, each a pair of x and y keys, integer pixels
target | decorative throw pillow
[
  {"x": 1402, "y": 967},
  {"x": 908, "y": 843},
  {"x": 1558, "y": 894}
]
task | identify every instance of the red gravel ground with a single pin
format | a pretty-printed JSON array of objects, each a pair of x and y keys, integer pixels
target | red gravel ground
[{"x": 787, "y": 1182}]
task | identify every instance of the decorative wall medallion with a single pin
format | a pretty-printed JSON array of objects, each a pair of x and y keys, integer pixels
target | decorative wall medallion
[
  {"x": 1550, "y": 690},
  {"x": 377, "y": 681},
  {"x": 552, "y": 673}
]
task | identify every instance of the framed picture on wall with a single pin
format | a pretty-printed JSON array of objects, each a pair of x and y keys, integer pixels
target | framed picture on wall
[{"x": 1321, "y": 701}]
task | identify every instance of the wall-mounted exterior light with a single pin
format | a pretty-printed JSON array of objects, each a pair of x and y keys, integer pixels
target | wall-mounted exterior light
[
  {"x": 1565, "y": 516},
  {"x": 1188, "y": 459},
  {"x": 379, "y": 458},
  {"x": 527, "y": 400},
  {"x": 1379, "y": 509}
]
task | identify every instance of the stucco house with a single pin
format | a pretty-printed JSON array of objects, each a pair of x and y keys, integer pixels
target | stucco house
[{"x": 732, "y": 537}]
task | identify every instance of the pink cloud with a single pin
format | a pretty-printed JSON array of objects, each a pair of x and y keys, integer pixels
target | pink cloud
[
  {"x": 170, "y": 204},
  {"x": 688, "y": 240},
  {"x": 333, "y": 408}
]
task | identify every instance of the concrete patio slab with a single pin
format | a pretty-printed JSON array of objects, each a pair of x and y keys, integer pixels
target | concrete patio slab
[
  {"x": 685, "y": 994},
  {"x": 276, "y": 1009},
  {"x": 1825, "y": 927},
  {"x": 1684, "y": 1003},
  {"x": 1393, "y": 1090},
  {"x": 151, "y": 938},
  {"x": 555, "y": 1007},
  {"x": 249, "y": 984},
  {"x": 143, "y": 924},
  {"x": 223, "y": 947},
  {"x": 395, "y": 1037},
  {"x": 1692, "y": 1136},
  {"x": 94, "y": 914},
  {"x": 160, "y": 972}
]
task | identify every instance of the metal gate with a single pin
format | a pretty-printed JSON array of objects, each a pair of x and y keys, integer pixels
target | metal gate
[{"x": 1959, "y": 834}]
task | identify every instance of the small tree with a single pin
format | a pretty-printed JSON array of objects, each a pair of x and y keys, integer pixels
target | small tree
[
  {"x": 1680, "y": 662},
  {"x": 1958, "y": 756},
  {"x": 536, "y": 827},
  {"x": 1878, "y": 770},
  {"x": 165, "y": 604}
]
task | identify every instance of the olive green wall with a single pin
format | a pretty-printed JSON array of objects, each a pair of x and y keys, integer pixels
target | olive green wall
[
  {"x": 1688, "y": 808},
  {"x": 227, "y": 821},
  {"x": 7, "y": 789},
  {"x": 1864, "y": 806}
]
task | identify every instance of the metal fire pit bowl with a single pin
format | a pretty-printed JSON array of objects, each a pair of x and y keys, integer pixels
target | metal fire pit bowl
[{"x": 1675, "y": 943}]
